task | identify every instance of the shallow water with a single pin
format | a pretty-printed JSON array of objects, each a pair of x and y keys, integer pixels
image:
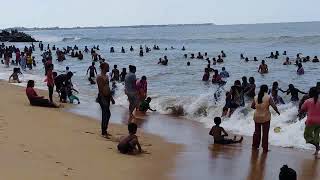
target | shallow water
[{"x": 178, "y": 85}]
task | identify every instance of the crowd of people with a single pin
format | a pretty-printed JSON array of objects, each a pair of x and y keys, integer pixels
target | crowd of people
[{"x": 137, "y": 90}]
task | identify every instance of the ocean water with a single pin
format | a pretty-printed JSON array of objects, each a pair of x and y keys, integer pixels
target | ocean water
[{"x": 179, "y": 86}]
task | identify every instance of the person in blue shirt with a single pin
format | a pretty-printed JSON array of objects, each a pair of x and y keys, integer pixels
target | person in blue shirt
[{"x": 224, "y": 73}]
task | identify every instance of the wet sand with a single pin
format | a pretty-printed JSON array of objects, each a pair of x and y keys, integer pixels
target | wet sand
[
  {"x": 42, "y": 143},
  {"x": 200, "y": 159}
]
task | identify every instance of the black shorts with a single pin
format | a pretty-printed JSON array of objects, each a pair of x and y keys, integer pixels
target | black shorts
[{"x": 125, "y": 148}]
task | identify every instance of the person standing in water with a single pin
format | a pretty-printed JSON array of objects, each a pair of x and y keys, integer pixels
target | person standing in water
[
  {"x": 312, "y": 130},
  {"x": 115, "y": 73},
  {"x": 263, "y": 68},
  {"x": 50, "y": 81},
  {"x": 131, "y": 90},
  {"x": 104, "y": 98},
  {"x": 93, "y": 72},
  {"x": 262, "y": 117}
]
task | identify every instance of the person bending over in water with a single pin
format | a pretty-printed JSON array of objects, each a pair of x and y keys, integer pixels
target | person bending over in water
[
  {"x": 15, "y": 76},
  {"x": 36, "y": 100},
  {"x": 93, "y": 73},
  {"x": 219, "y": 134},
  {"x": 129, "y": 144},
  {"x": 263, "y": 68},
  {"x": 145, "y": 105},
  {"x": 294, "y": 92}
]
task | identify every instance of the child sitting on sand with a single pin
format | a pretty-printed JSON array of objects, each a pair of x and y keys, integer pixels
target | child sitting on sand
[
  {"x": 287, "y": 173},
  {"x": 216, "y": 131},
  {"x": 145, "y": 105},
  {"x": 128, "y": 144}
]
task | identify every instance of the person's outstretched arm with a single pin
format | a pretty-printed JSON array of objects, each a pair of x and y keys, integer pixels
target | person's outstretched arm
[
  {"x": 224, "y": 132},
  {"x": 273, "y": 105},
  {"x": 301, "y": 92}
]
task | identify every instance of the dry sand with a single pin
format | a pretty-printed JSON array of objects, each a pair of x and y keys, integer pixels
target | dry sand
[{"x": 43, "y": 143}]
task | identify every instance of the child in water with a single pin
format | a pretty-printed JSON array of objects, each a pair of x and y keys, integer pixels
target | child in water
[
  {"x": 15, "y": 76},
  {"x": 129, "y": 144},
  {"x": 70, "y": 95},
  {"x": 145, "y": 105},
  {"x": 219, "y": 134}
]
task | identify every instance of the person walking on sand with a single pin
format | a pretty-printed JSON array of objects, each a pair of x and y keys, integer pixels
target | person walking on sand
[
  {"x": 312, "y": 107},
  {"x": 131, "y": 90},
  {"x": 104, "y": 98},
  {"x": 262, "y": 117}
]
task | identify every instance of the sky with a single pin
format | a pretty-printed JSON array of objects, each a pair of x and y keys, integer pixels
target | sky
[{"x": 72, "y": 13}]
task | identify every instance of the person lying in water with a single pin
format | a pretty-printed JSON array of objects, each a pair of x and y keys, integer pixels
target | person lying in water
[
  {"x": 145, "y": 105},
  {"x": 219, "y": 134},
  {"x": 129, "y": 144}
]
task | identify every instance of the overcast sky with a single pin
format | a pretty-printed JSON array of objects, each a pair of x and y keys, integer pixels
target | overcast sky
[{"x": 69, "y": 13}]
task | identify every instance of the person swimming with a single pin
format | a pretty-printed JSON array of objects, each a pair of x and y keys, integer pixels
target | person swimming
[
  {"x": 246, "y": 59},
  {"x": 112, "y": 50},
  {"x": 271, "y": 55},
  {"x": 219, "y": 134},
  {"x": 122, "y": 50},
  {"x": 183, "y": 48},
  {"x": 284, "y": 53},
  {"x": 199, "y": 56},
  {"x": 223, "y": 55},
  {"x": 255, "y": 59},
  {"x": 241, "y": 56},
  {"x": 315, "y": 59},
  {"x": 263, "y": 68},
  {"x": 131, "y": 49},
  {"x": 141, "y": 53},
  {"x": 192, "y": 56}
]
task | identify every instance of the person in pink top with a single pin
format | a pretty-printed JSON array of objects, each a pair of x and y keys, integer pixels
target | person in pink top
[
  {"x": 50, "y": 81},
  {"x": 312, "y": 107},
  {"x": 142, "y": 88}
]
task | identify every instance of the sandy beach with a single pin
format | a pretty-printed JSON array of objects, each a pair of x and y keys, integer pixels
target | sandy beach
[{"x": 42, "y": 143}]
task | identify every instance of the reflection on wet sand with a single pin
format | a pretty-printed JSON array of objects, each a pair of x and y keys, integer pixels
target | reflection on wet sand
[{"x": 202, "y": 160}]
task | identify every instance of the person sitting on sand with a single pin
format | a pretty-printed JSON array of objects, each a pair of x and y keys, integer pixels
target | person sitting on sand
[
  {"x": 36, "y": 100},
  {"x": 300, "y": 70},
  {"x": 287, "y": 173},
  {"x": 145, "y": 105},
  {"x": 224, "y": 73},
  {"x": 263, "y": 68},
  {"x": 312, "y": 107},
  {"x": 219, "y": 134},
  {"x": 287, "y": 62},
  {"x": 15, "y": 76},
  {"x": 129, "y": 144}
]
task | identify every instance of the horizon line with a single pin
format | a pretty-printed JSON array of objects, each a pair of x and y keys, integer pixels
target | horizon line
[{"x": 150, "y": 25}]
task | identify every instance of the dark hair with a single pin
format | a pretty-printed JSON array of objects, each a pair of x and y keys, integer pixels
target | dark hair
[
  {"x": 69, "y": 74},
  {"x": 287, "y": 173},
  {"x": 132, "y": 68},
  {"x": 275, "y": 83},
  {"x": 313, "y": 93},
  {"x": 30, "y": 83},
  {"x": 263, "y": 90},
  {"x": 132, "y": 128},
  {"x": 149, "y": 99},
  {"x": 115, "y": 66},
  {"x": 217, "y": 120},
  {"x": 251, "y": 80},
  {"x": 144, "y": 78},
  {"x": 237, "y": 83}
]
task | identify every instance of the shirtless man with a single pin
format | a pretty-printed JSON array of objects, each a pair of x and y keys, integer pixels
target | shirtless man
[
  {"x": 263, "y": 68},
  {"x": 115, "y": 75},
  {"x": 104, "y": 98},
  {"x": 93, "y": 72}
]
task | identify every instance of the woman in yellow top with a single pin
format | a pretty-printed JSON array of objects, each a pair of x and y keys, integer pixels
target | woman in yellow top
[
  {"x": 29, "y": 62},
  {"x": 262, "y": 117}
]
